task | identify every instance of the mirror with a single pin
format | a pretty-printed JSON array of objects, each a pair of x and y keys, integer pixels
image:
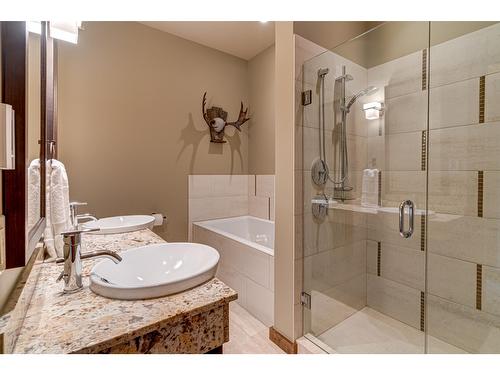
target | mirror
[{"x": 33, "y": 131}]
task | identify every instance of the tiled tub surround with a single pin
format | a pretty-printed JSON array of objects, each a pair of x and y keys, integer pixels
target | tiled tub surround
[
  {"x": 461, "y": 308},
  {"x": 194, "y": 321},
  {"x": 246, "y": 247},
  {"x": 220, "y": 196}
]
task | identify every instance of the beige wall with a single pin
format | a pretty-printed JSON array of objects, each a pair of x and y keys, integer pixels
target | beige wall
[
  {"x": 329, "y": 34},
  {"x": 284, "y": 313},
  {"x": 399, "y": 38},
  {"x": 130, "y": 122},
  {"x": 261, "y": 126}
]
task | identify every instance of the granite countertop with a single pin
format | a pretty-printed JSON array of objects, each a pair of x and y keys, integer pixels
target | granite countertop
[{"x": 84, "y": 321}]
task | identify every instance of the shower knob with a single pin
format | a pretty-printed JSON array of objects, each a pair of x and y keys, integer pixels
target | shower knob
[{"x": 319, "y": 172}]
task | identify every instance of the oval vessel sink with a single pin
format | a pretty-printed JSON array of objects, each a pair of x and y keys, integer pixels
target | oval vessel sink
[
  {"x": 120, "y": 224},
  {"x": 154, "y": 271}
]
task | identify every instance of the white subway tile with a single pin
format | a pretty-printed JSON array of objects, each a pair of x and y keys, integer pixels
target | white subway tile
[
  {"x": 217, "y": 207},
  {"x": 265, "y": 185},
  {"x": 259, "y": 207},
  {"x": 260, "y": 302}
]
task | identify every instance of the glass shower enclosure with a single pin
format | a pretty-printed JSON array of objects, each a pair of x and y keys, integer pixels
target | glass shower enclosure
[{"x": 401, "y": 191}]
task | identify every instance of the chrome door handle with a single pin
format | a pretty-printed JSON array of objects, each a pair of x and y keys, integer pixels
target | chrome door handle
[{"x": 411, "y": 208}]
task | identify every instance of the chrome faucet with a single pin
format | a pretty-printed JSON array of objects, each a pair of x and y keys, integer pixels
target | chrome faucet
[
  {"x": 72, "y": 273},
  {"x": 75, "y": 218}
]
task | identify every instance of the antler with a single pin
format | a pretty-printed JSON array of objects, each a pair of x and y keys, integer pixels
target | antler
[
  {"x": 241, "y": 118},
  {"x": 205, "y": 116}
]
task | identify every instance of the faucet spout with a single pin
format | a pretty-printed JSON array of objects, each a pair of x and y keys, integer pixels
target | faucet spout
[{"x": 102, "y": 254}]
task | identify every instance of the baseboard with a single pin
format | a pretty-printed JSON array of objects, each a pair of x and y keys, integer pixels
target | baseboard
[{"x": 289, "y": 347}]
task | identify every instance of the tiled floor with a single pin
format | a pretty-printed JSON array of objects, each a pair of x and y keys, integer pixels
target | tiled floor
[
  {"x": 248, "y": 335},
  {"x": 369, "y": 331}
]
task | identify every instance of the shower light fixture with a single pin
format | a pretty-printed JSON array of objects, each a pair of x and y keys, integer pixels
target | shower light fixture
[{"x": 373, "y": 110}]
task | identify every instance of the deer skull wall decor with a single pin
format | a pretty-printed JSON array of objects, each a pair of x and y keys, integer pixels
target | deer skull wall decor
[{"x": 216, "y": 117}]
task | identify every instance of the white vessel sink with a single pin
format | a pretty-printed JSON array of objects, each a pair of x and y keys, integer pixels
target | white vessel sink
[
  {"x": 154, "y": 271},
  {"x": 120, "y": 224}
]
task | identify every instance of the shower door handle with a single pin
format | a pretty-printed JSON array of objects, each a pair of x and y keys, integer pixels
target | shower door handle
[{"x": 411, "y": 208}]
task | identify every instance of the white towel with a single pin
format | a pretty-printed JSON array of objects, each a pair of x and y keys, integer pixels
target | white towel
[
  {"x": 33, "y": 193},
  {"x": 370, "y": 188},
  {"x": 58, "y": 216}
]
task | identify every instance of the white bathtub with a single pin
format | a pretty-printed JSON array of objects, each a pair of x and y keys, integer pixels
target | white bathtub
[{"x": 246, "y": 247}]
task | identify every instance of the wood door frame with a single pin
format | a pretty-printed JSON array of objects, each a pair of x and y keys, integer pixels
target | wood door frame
[{"x": 18, "y": 241}]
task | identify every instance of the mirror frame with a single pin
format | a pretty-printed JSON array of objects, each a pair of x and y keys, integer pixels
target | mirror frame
[{"x": 18, "y": 240}]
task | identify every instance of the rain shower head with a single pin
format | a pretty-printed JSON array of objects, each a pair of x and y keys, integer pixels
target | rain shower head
[{"x": 368, "y": 91}]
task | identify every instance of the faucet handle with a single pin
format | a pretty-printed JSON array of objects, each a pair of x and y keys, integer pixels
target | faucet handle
[
  {"x": 76, "y": 203},
  {"x": 73, "y": 210},
  {"x": 75, "y": 232}
]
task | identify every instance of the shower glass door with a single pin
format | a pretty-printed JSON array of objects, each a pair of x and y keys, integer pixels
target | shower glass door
[
  {"x": 365, "y": 281},
  {"x": 418, "y": 106}
]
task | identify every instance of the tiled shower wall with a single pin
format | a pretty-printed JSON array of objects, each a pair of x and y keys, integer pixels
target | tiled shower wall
[
  {"x": 463, "y": 166},
  {"x": 464, "y": 190},
  {"x": 396, "y": 266},
  {"x": 219, "y": 196}
]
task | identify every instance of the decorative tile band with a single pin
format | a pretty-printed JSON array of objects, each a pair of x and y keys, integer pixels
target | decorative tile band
[
  {"x": 424, "y": 149},
  {"x": 480, "y": 190},
  {"x": 424, "y": 69},
  {"x": 380, "y": 188},
  {"x": 422, "y": 311},
  {"x": 422, "y": 232},
  {"x": 479, "y": 286},
  {"x": 379, "y": 256},
  {"x": 482, "y": 93}
]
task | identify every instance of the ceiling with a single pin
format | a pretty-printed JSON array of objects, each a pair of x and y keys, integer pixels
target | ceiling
[{"x": 244, "y": 39}]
